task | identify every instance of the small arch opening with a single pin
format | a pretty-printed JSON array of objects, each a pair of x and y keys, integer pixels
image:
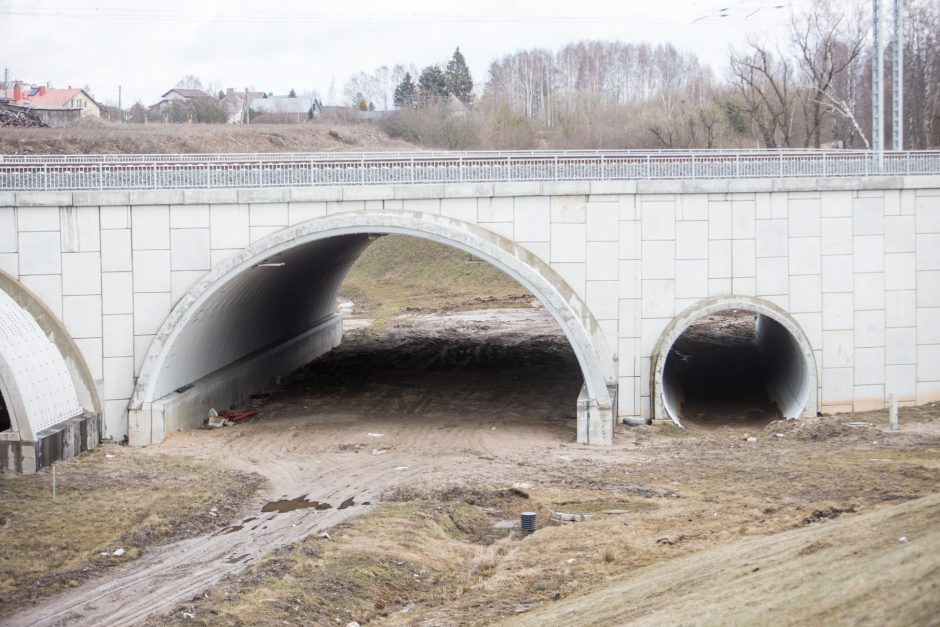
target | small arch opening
[
  {"x": 6, "y": 424},
  {"x": 735, "y": 367}
]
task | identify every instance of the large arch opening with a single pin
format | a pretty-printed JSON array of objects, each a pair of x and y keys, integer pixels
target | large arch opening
[
  {"x": 272, "y": 308},
  {"x": 733, "y": 361}
]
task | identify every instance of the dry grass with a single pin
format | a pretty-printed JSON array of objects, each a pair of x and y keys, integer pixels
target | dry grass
[
  {"x": 700, "y": 516},
  {"x": 398, "y": 273},
  {"x": 108, "y": 499}
]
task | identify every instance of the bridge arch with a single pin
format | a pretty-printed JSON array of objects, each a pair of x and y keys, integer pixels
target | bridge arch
[
  {"x": 241, "y": 293},
  {"x": 793, "y": 385}
]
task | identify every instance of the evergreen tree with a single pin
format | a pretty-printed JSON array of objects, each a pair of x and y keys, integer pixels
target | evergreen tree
[
  {"x": 432, "y": 86},
  {"x": 459, "y": 81},
  {"x": 292, "y": 94},
  {"x": 405, "y": 93}
]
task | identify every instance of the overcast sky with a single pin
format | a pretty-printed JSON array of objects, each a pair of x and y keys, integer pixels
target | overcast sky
[{"x": 276, "y": 45}]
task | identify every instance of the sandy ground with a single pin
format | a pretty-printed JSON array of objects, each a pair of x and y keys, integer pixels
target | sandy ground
[{"x": 483, "y": 398}]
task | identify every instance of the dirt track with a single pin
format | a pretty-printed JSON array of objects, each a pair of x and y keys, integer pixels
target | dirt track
[{"x": 425, "y": 406}]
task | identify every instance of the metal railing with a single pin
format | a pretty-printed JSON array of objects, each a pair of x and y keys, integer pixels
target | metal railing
[{"x": 217, "y": 171}]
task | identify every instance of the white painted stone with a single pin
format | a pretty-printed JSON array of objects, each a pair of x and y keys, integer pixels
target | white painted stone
[
  {"x": 115, "y": 217},
  {"x": 743, "y": 215},
  {"x": 902, "y": 381},
  {"x": 651, "y": 329},
  {"x": 869, "y": 291},
  {"x": 743, "y": 258},
  {"x": 181, "y": 281},
  {"x": 928, "y": 288},
  {"x": 771, "y": 238},
  {"x": 838, "y": 349},
  {"x": 48, "y": 288},
  {"x": 189, "y": 216},
  {"x": 268, "y": 214},
  {"x": 838, "y": 385},
  {"x": 539, "y": 249},
  {"x": 150, "y": 227},
  {"x": 928, "y": 214},
  {"x": 629, "y": 278},
  {"x": 256, "y": 233},
  {"x": 37, "y": 219},
  {"x": 901, "y": 346},
  {"x": 503, "y": 229},
  {"x": 779, "y": 205},
  {"x": 40, "y": 253},
  {"x": 719, "y": 259},
  {"x": 568, "y": 209},
  {"x": 928, "y": 251},
  {"x": 868, "y": 216},
  {"x": 151, "y": 271},
  {"x": 603, "y": 221},
  {"x": 899, "y": 271},
  {"x": 892, "y": 202},
  {"x": 719, "y": 287},
  {"x": 868, "y": 397},
  {"x": 574, "y": 274},
  {"x": 568, "y": 243},
  {"x": 80, "y": 229},
  {"x": 744, "y": 286},
  {"x": 118, "y": 377},
  {"x": 659, "y": 297},
  {"x": 602, "y": 299},
  {"x": 90, "y": 348},
  {"x": 805, "y": 255},
  {"x": 838, "y": 273},
  {"x": 928, "y": 363},
  {"x": 691, "y": 278},
  {"x": 630, "y": 318},
  {"x": 10, "y": 264},
  {"x": 869, "y": 328},
  {"x": 836, "y": 204},
  {"x": 694, "y": 206},
  {"x": 804, "y": 217},
  {"x": 658, "y": 219},
  {"x": 869, "y": 253},
  {"x": 189, "y": 249},
  {"x": 837, "y": 236},
  {"x": 869, "y": 366},
  {"x": 497, "y": 209},
  {"x": 463, "y": 209},
  {"x": 532, "y": 219},
  {"x": 82, "y": 315},
  {"x": 117, "y": 293},
  {"x": 899, "y": 234},
  {"x": 628, "y": 353},
  {"x": 628, "y": 207},
  {"x": 630, "y": 240},
  {"x": 141, "y": 346},
  {"x": 335, "y": 207},
  {"x": 81, "y": 273},
  {"x": 772, "y": 276},
  {"x": 229, "y": 226},
  {"x": 901, "y": 308},
  {"x": 116, "y": 251},
  {"x": 659, "y": 259},
  {"x": 928, "y": 325},
  {"x": 838, "y": 311},
  {"x": 8, "y": 239},
  {"x": 719, "y": 220},
  {"x": 805, "y": 293},
  {"x": 118, "y": 335},
  {"x": 692, "y": 240},
  {"x": 602, "y": 262},
  {"x": 298, "y": 212},
  {"x": 150, "y": 310}
]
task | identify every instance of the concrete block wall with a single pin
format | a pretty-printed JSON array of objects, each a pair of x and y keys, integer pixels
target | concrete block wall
[{"x": 854, "y": 262}]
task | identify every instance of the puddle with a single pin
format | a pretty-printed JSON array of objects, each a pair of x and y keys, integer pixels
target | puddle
[
  {"x": 289, "y": 505},
  {"x": 235, "y": 560},
  {"x": 233, "y": 528},
  {"x": 347, "y": 503}
]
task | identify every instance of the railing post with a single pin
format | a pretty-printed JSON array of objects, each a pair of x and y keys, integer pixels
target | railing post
[
  {"x": 460, "y": 169},
  {"x": 45, "y": 177},
  {"x": 508, "y": 168},
  {"x": 412, "y": 170},
  {"x": 555, "y": 175},
  {"x": 824, "y": 164},
  {"x": 208, "y": 175},
  {"x": 362, "y": 171},
  {"x": 693, "y": 165},
  {"x": 649, "y": 168}
]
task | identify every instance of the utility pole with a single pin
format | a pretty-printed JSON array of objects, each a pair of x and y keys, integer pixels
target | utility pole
[
  {"x": 247, "y": 110},
  {"x": 877, "y": 86},
  {"x": 897, "y": 86},
  {"x": 120, "y": 108}
]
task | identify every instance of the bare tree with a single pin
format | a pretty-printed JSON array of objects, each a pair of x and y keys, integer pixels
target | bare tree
[{"x": 768, "y": 97}]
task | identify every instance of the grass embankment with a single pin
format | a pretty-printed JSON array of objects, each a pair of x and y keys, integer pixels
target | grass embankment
[
  {"x": 399, "y": 274},
  {"x": 107, "y": 499},
  {"x": 710, "y": 528}
]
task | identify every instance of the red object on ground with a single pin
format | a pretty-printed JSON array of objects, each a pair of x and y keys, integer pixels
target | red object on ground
[{"x": 236, "y": 416}]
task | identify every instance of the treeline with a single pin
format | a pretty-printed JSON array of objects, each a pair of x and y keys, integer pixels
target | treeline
[{"x": 811, "y": 90}]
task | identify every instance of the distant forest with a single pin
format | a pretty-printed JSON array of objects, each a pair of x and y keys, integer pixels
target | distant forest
[{"x": 811, "y": 90}]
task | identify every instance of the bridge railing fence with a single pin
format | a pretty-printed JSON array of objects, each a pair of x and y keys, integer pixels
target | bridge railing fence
[{"x": 126, "y": 172}]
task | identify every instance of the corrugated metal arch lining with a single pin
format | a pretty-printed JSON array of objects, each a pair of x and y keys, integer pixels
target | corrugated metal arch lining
[
  {"x": 265, "y": 305},
  {"x": 36, "y": 382}
]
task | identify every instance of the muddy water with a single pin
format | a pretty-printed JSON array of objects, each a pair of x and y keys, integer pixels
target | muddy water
[{"x": 290, "y": 505}]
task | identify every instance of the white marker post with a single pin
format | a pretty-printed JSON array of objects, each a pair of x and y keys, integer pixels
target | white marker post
[{"x": 893, "y": 411}]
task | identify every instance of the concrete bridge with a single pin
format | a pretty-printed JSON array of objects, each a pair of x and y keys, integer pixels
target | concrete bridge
[{"x": 138, "y": 291}]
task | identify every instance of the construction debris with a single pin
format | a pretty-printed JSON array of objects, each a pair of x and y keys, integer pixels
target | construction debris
[{"x": 18, "y": 116}]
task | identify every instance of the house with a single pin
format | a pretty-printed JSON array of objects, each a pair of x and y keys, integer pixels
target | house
[
  {"x": 233, "y": 104},
  {"x": 296, "y": 109},
  {"x": 180, "y": 94},
  {"x": 53, "y": 106}
]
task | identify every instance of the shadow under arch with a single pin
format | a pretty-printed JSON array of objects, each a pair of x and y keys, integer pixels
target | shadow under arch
[
  {"x": 595, "y": 410},
  {"x": 795, "y": 390}
]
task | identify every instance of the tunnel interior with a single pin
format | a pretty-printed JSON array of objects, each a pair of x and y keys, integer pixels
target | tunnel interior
[
  {"x": 735, "y": 367},
  {"x": 5, "y": 422}
]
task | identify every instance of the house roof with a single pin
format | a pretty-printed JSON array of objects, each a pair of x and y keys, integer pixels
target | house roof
[
  {"x": 282, "y": 104},
  {"x": 187, "y": 93},
  {"x": 56, "y": 97}
]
